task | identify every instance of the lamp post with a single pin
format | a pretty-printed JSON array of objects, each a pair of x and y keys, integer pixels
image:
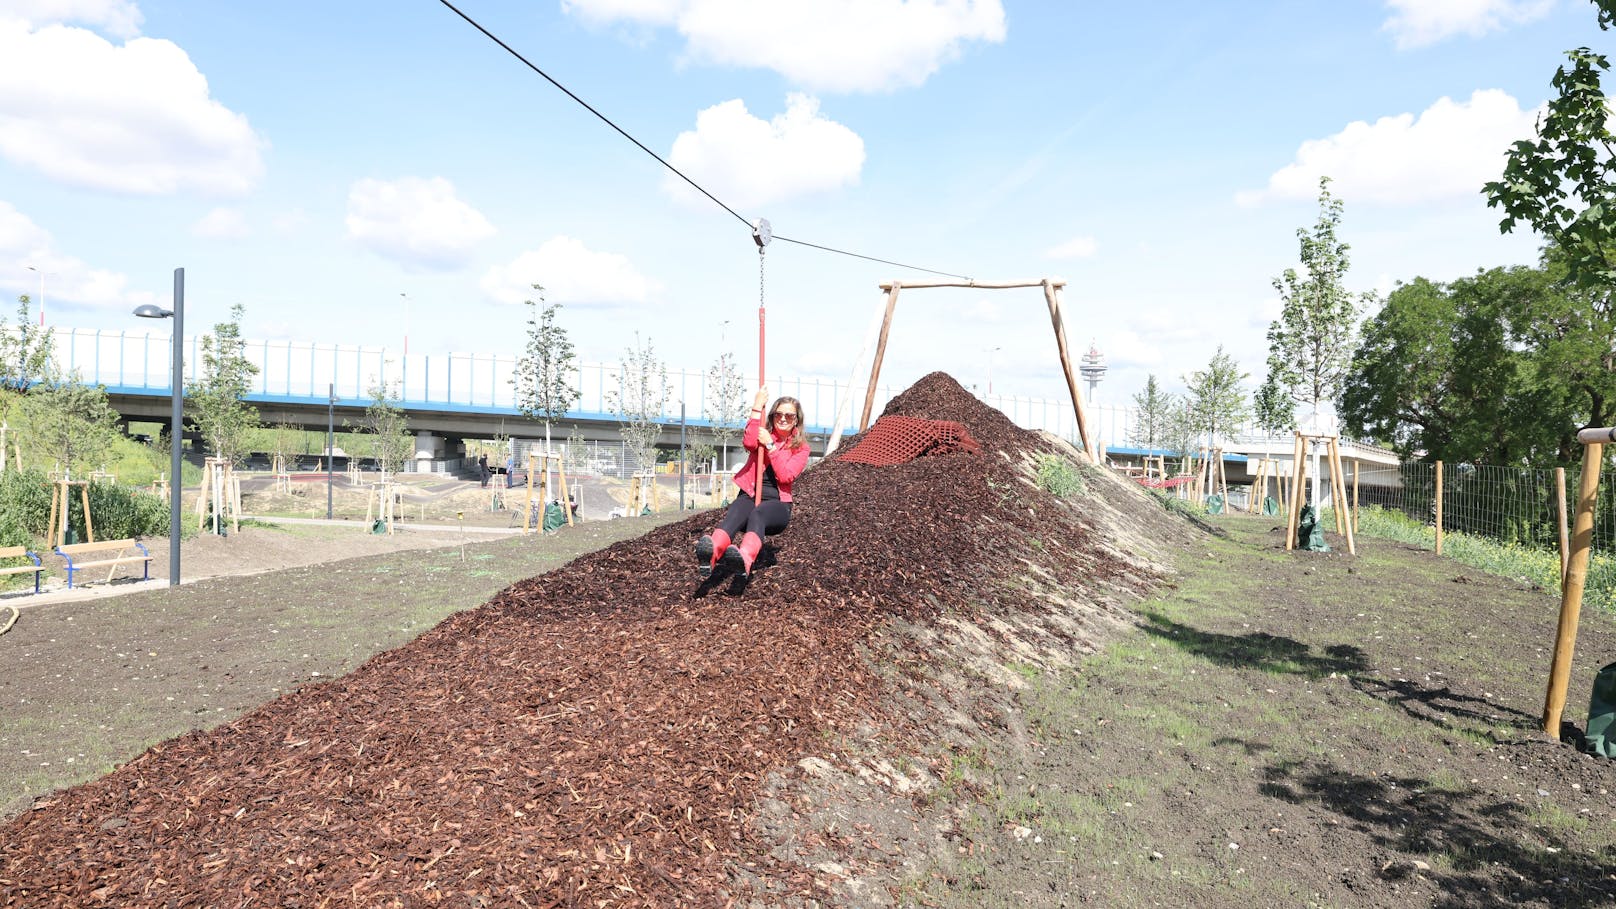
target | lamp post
[
  {"x": 41, "y": 272},
  {"x": 406, "y": 298},
  {"x": 991, "y": 352},
  {"x": 176, "y": 431}
]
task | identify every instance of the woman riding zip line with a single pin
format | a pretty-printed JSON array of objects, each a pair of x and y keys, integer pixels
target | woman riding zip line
[{"x": 739, "y": 537}]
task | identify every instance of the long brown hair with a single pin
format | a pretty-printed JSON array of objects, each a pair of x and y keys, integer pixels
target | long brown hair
[{"x": 798, "y": 437}]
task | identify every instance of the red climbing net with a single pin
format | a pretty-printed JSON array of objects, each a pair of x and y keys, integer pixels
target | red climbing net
[
  {"x": 896, "y": 440},
  {"x": 1168, "y": 483}
]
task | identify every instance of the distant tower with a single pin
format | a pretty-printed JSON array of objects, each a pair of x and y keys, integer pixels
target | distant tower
[{"x": 1092, "y": 368}]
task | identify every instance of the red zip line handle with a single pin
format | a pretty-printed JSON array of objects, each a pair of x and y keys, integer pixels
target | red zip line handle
[{"x": 761, "y": 234}]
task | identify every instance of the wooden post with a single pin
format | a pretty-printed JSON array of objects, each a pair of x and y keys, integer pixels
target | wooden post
[
  {"x": 880, "y": 354},
  {"x": 527, "y": 501},
  {"x": 1297, "y": 470},
  {"x": 1059, "y": 321},
  {"x": 1560, "y": 508},
  {"x": 1439, "y": 508},
  {"x": 1582, "y": 537},
  {"x": 566, "y": 496},
  {"x": 50, "y": 529},
  {"x": 1338, "y": 487},
  {"x": 89, "y": 527},
  {"x": 1339, "y": 480}
]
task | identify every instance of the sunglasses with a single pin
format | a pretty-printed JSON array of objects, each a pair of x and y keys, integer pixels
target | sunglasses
[{"x": 785, "y": 417}]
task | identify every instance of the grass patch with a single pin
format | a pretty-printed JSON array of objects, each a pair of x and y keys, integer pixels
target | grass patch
[{"x": 1059, "y": 477}]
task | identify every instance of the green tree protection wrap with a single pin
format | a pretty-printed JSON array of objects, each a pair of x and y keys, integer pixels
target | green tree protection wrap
[
  {"x": 1600, "y": 737},
  {"x": 1309, "y": 534}
]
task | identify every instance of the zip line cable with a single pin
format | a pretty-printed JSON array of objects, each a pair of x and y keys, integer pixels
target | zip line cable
[{"x": 698, "y": 187}]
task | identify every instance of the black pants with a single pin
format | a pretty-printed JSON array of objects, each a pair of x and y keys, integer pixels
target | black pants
[{"x": 768, "y": 517}]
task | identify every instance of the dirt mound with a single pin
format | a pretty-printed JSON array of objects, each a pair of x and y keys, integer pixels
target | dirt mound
[{"x": 601, "y": 735}]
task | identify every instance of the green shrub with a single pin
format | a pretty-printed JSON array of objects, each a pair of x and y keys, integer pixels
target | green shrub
[
  {"x": 118, "y": 511},
  {"x": 1059, "y": 477}
]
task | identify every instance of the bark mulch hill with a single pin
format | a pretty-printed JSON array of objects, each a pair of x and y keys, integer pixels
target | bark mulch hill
[{"x": 595, "y": 736}]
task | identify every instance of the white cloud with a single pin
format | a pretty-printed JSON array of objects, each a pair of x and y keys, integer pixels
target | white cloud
[
  {"x": 829, "y": 45},
  {"x": 67, "y": 279},
  {"x": 1417, "y": 23},
  {"x": 419, "y": 223},
  {"x": 1448, "y": 151},
  {"x": 222, "y": 224},
  {"x": 750, "y": 162},
  {"x": 120, "y": 18},
  {"x": 135, "y": 118},
  {"x": 1075, "y": 248},
  {"x": 571, "y": 273}
]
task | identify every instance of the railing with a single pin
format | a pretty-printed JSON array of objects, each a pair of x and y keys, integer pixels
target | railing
[{"x": 298, "y": 371}]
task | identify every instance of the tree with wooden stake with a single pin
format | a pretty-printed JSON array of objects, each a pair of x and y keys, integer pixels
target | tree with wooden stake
[
  {"x": 1057, "y": 318},
  {"x": 1344, "y": 523},
  {"x": 543, "y": 377}
]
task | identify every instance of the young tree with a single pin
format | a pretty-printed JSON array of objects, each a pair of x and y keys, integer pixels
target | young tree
[
  {"x": 1180, "y": 432},
  {"x": 543, "y": 377},
  {"x": 70, "y": 424},
  {"x": 215, "y": 397},
  {"x": 1152, "y": 407},
  {"x": 639, "y": 400},
  {"x": 1310, "y": 345},
  {"x": 726, "y": 402},
  {"x": 385, "y": 420},
  {"x": 1216, "y": 402},
  {"x": 25, "y": 352}
]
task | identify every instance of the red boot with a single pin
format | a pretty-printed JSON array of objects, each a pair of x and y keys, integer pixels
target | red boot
[
  {"x": 709, "y": 549},
  {"x": 740, "y": 557}
]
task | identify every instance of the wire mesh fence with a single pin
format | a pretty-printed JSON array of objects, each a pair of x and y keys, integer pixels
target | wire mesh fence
[{"x": 1511, "y": 505}]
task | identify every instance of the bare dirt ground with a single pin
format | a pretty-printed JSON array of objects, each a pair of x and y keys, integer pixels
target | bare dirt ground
[{"x": 945, "y": 688}]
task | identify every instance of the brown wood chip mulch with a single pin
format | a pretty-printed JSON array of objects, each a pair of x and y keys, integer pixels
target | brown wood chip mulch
[{"x": 595, "y": 736}]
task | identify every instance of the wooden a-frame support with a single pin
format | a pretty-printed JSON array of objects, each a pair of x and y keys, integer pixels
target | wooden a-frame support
[
  {"x": 1344, "y": 523},
  {"x": 1051, "y": 296}
]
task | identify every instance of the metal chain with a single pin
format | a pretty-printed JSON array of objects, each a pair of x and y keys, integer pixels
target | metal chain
[{"x": 760, "y": 276}]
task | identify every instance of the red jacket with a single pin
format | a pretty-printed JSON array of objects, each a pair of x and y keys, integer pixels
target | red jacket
[{"x": 787, "y": 462}]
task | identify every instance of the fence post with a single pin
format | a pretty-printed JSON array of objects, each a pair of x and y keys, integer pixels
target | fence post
[
  {"x": 1565, "y": 638},
  {"x": 1560, "y": 508},
  {"x": 1439, "y": 508}
]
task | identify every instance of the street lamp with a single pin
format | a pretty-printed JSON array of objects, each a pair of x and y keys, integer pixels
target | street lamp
[
  {"x": 41, "y": 272},
  {"x": 406, "y": 323},
  {"x": 176, "y": 429},
  {"x": 991, "y": 352}
]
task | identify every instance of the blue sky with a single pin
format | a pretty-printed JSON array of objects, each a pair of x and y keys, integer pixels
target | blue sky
[{"x": 353, "y": 172}]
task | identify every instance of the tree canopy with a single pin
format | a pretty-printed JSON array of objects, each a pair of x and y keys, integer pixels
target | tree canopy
[{"x": 1498, "y": 368}]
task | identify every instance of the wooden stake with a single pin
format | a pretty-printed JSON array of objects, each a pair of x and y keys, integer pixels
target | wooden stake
[
  {"x": 51, "y": 538},
  {"x": 1338, "y": 478},
  {"x": 1059, "y": 321},
  {"x": 89, "y": 527},
  {"x": 880, "y": 354},
  {"x": 1439, "y": 508},
  {"x": 1297, "y": 469},
  {"x": 1338, "y": 488},
  {"x": 1565, "y": 638},
  {"x": 1560, "y": 508}
]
